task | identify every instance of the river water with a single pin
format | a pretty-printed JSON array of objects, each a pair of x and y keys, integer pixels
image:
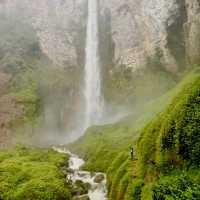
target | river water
[{"x": 98, "y": 190}]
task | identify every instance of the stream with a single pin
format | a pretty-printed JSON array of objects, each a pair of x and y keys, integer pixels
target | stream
[{"x": 97, "y": 190}]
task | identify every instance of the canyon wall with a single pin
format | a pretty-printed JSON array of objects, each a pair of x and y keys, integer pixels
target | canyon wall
[{"x": 138, "y": 28}]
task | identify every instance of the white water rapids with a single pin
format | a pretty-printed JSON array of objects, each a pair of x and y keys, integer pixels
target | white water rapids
[
  {"x": 98, "y": 190},
  {"x": 92, "y": 91}
]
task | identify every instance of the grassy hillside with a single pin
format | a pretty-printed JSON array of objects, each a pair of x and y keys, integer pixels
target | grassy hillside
[
  {"x": 27, "y": 173},
  {"x": 168, "y": 149},
  {"x": 165, "y": 135}
]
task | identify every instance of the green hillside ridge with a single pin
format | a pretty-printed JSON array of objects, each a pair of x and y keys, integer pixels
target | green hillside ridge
[
  {"x": 160, "y": 147},
  {"x": 170, "y": 144}
]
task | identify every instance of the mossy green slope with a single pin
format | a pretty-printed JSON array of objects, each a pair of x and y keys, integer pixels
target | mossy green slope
[
  {"x": 27, "y": 173},
  {"x": 169, "y": 140},
  {"x": 168, "y": 148}
]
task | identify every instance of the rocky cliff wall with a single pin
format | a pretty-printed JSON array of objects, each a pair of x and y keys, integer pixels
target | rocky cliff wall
[
  {"x": 59, "y": 25},
  {"x": 140, "y": 27},
  {"x": 137, "y": 29}
]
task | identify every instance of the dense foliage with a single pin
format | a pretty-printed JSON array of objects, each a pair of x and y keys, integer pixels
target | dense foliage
[
  {"x": 170, "y": 143},
  {"x": 179, "y": 185}
]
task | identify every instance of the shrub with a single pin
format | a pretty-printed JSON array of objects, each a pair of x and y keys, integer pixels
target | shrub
[{"x": 180, "y": 187}]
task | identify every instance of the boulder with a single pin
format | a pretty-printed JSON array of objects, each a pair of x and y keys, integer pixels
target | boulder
[
  {"x": 83, "y": 197},
  {"x": 99, "y": 178},
  {"x": 80, "y": 188}
]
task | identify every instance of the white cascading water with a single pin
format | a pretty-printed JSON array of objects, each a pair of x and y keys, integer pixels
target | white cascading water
[
  {"x": 93, "y": 110},
  {"x": 98, "y": 190}
]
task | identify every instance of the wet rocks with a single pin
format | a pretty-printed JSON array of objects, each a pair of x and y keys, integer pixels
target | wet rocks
[
  {"x": 80, "y": 188},
  {"x": 99, "y": 178},
  {"x": 82, "y": 184},
  {"x": 83, "y": 197},
  {"x": 65, "y": 170}
]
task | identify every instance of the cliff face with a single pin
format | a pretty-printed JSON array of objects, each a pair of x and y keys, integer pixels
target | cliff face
[
  {"x": 59, "y": 25},
  {"x": 137, "y": 28},
  {"x": 140, "y": 27},
  {"x": 193, "y": 31}
]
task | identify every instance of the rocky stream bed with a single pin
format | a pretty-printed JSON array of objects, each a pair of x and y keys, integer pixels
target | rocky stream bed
[{"x": 87, "y": 185}]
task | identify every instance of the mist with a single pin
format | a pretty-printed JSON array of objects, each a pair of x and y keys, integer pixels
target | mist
[{"x": 81, "y": 67}]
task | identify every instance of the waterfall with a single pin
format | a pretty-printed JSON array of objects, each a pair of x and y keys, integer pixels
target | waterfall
[{"x": 93, "y": 102}]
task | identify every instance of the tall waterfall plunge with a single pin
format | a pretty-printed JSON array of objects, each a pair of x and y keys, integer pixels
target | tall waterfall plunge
[{"x": 93, "y": 99}]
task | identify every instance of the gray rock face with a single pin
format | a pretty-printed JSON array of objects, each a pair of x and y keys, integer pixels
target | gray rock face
[
  {"x": 58, "y": 24},
  {"x": 192, "y": 28},
  {"x": 99, "y": 178},
  {"x": 138, "y": 28}
]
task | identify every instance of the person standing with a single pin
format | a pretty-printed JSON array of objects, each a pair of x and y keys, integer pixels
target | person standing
[{"x": 132, "y": 153}]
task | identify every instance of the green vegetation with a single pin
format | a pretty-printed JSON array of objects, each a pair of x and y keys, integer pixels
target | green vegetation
[
  {"x": 27, "y": 173},
  {"x": 171, "y": 142},
  {"x": 178, "y": 185},
  {"x": 167, "y": 147},
  {"x": 24, "y": 88}
]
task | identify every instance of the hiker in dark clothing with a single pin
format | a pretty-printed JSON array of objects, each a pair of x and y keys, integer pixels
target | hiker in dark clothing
[{"x": 132, "y": 153}]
